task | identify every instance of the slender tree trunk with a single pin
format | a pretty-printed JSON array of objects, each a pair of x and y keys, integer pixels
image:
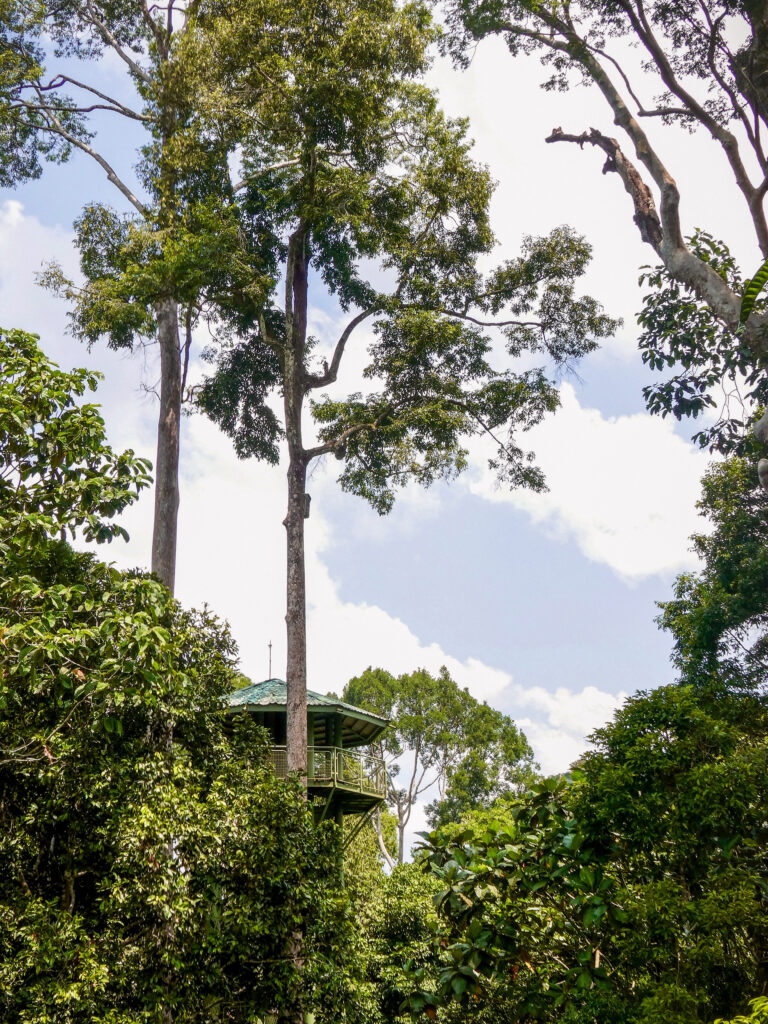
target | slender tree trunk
[
  {"x": 388, "y": 858},
  {"x": 168, "y": 428},
  {"x": 296, "y": 604},
  {"x": 295, "y": 619}
]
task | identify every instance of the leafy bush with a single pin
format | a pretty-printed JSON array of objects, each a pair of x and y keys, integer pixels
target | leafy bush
[{"x": 153, "y": 867}]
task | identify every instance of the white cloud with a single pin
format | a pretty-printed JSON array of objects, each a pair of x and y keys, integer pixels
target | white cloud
[
  {"x": 557, "y": 724},
  {"x": 624, "y": 488},
  {"x": 26, "y": 245}
]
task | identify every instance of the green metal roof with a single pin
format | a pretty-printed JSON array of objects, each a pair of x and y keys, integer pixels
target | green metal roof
[{"x": 271, "y": 695}]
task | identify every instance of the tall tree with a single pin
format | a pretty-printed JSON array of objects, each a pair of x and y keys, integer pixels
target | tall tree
[
  {"x": 146, "y": 271},
  {"x": 441, "y": 737},
  {"x": 705, "y": 60},
  {"x": 347, "y": 163}
]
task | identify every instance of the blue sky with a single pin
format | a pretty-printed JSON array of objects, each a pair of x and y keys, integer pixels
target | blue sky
[{"x": 544, "y": 605}]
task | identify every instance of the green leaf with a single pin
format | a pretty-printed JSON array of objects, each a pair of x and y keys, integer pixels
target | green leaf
[{"x": 752, "y": 289}]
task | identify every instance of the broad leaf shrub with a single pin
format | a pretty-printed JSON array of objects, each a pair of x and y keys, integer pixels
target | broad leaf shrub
[
  {"x": 758, "y": 1013},
  {"x": 633, "y": 890},
  {"x": 524, "y": 909}
]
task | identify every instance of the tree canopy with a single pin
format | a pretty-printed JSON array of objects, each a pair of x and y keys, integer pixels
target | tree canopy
[
  {"x": 441, "y": 736},
  {"x": 351, "y": 172},
  {"x": 150, "y": 266}
]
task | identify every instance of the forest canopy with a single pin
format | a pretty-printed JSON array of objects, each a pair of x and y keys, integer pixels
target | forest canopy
[{"x": 294, "y": 231}]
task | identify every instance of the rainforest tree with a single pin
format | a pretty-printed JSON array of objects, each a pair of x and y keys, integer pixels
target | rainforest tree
[
  {"x": 440, "y": 738},
  {"x": 705, "y": 62},
  {"x": 150, "y": 265},
  {"x": 350, "y": 172}
]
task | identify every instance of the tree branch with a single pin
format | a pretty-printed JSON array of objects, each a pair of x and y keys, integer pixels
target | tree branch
[
  {"x": 646, "y": 216},
  {"x": 55, "y": 126},
  {"x": 329, "y": 377},
  {"x": 664, "y": 234},
  {"x": 110, "y": 39},
  {"x": 339, "y": 442},
  {"x": 265, "y": 170},
  {"x": 59, "y": 80},
  {"x": 727, "y": 139},
  {"x": 668, "y": 241}
]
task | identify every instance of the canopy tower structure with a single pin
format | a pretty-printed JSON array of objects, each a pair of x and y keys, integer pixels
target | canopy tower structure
[{"x": 342, "y": 778}]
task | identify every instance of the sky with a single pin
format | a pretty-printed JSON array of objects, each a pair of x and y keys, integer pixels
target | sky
[{"x": 543, "y": 605}]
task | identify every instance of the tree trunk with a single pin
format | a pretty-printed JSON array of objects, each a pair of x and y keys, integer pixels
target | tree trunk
[
  {"x": 296, "y": 605},
  {"x": 388, "y": 858},
  {"x": 295, "y": 620},
  {"x": 167, "y": 464}
]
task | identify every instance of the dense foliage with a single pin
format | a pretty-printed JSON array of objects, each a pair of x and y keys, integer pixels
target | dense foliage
[
  {"x": 634, "y": 892},
  {"x": 153, "y": 868},
  {"x": 717, "y": 616},
  {"x": 636, "y": 889},
  {"x": 714, "y": 370}
]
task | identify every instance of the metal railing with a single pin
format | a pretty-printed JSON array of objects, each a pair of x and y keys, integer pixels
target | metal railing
[{"x": 331, "y": 766}]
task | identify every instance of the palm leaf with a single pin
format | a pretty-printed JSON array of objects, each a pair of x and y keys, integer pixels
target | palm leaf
[{"x": 752, "y": 289}]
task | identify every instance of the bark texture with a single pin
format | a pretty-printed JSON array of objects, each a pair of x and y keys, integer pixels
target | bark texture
[
  {"x": 164, "y": 533},
  {"x": 295, "y": 620},
  {"x": 294, "y": 390}
]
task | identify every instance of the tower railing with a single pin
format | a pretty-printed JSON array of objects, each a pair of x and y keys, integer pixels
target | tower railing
[{"x": 353, "y": 770}]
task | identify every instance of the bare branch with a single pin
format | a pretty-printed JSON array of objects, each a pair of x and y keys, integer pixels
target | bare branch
[
  {"x": 64, "y": 109},
  {"x": 646, "y": 216},
  {"x": 666, "y": 112},
  {"x": 265, "y": 170},
  {"x": 186, "y": 348},
  {"x": 55, "y": 126},
  {"x": 119, "y": 107},
  {"x": 624, "y": 77},
  {"x": 331, "y": 374},
  {"x": 110, "y": 39},
  {"x": 488, "y": 323},
  {"x": 161, "y": 37},
  {"x": 338, "y": 443},
  {"x": 726, "y": 139}
]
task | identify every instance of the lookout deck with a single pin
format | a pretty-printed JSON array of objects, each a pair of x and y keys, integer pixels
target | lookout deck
[{"x": 358, "y": 775}]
